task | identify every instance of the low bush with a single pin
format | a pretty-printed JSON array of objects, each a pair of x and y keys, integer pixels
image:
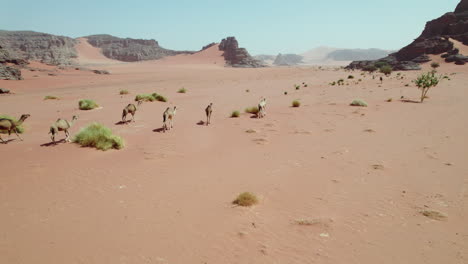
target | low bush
[
  {"x": 98, "y": 136},
  {"x": 87, "y": 104}
]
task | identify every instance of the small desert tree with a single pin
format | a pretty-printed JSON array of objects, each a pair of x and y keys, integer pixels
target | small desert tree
[
  {"x": 425, "y": 82},
  {"x": 386, "y": 69}
]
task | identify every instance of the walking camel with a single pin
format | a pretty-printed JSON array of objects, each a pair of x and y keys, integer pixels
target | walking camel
[
  {"x": 130, "y": 109},
  {"x": 11, "y": 125},
  {"x": 62, "y": 125},
  {"x": 168, "y": 116},
  {"x": 208, "y": 111},
  {"x": 261, "y": 108}
]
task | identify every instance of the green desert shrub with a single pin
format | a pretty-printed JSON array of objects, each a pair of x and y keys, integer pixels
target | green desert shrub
[
  {"x": 246, "y": 199},
  {"x": 87, "y": 104},
  {"x": 98, "y": 136},
  {"x": 435, "y": 65},
  {"x": 358, "y": 102},
  {"x": 182, "y": 90},
  {"x": 50, "y": 97},
  {"x": 150, "y": 97},
  {"x": 19, "y": 129},
  {"x": 340, "y": 82},
  {"x": 332, "y": 83},
  {"x": 296, "y": 103},
  {"x": 370, "y": 68},
  {"x": 387, "y": 69},
  {"x": 425, "y": 82},
  {"x": 252, "y": 110},
  {"x": 297, "y": 87},
  {"x": 122, "y": 92},
  {"x": 235, "y": 114},
  {"x": 350, "y": 77}
]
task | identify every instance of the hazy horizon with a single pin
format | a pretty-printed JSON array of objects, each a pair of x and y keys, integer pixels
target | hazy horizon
[{"x": 263, "y": 27}]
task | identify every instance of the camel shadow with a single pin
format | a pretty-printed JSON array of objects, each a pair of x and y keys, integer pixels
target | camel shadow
[
  {"x": 159, "y": 130},
  {"x": 255, "y": 116},
  {"x": 50, "y": 144},
  {"x": 7, "y": 141},
  {"x": 123, "y": 122},
  {"x": 410, "y": 101},
  {"x": 201, "y": 123}
]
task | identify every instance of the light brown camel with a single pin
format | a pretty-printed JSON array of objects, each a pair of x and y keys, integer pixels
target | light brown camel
[
  {"x": 208, "y": 111},
  {"x": 168, "y": 116},
  {"x": 261, "y": 108},
  {"x": 11, "y": 125},
  {"x": 130, "y": 109},
  {"x": 62, "y": 125}
]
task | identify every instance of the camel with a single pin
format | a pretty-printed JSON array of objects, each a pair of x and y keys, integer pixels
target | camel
[
  {"x": 10, "y": 125},
  {"x": 208, "y": 111},
  {"x": 62, "y": 125},
  {"x": 168, "y": 116},
  {"x": 130, "y": 109},
  {"x": 261, "y": 108}
]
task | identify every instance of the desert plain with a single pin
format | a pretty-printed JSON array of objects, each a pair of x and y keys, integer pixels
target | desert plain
[{"x": 336, "y": 183}]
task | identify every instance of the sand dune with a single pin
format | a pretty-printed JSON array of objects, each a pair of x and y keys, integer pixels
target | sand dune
[{"x": 360, "y": 176}]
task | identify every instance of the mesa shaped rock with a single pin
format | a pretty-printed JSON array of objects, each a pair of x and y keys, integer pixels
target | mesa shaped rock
[
  {"x": 46, "y": 48},
  {"x": 130, "y": 50}
]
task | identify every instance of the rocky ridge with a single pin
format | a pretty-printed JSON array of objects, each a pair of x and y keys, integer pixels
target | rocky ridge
[
  {"x": 130, "y": 50},
  {"x": 435, "y": 39}
]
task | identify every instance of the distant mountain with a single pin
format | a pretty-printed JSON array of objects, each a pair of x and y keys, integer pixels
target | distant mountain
[
  {"x": 324, "y": 56},
  {"x": 357, "y": 54},
  {"x": 287, "y": 59},
  {"x": 265, "y": 59}
]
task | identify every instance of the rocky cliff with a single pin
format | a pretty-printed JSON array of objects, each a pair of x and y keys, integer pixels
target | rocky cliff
[
  {"x": 433, "y": 40},
  {"x": 7, "y": 71},
  {"x": 235, "y": 56},
  {"x": 46, "y": 48},
  {"x": 129, "y": 50}
]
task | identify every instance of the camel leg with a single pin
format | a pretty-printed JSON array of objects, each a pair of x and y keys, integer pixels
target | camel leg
[
  {"x": 18, "y": 135},
  {"x": 3, "y": 141},
  {"x": 67, "y": 136},
  {"x": 133, "y": 117}
]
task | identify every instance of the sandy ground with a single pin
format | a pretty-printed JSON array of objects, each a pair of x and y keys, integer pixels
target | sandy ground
[{"x": 361, "y": 176}]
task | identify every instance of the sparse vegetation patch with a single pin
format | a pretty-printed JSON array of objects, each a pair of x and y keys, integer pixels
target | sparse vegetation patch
[{"x": 246, "y": 199}]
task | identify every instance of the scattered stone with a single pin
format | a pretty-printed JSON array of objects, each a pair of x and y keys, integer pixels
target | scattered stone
[
  {"x": 101, "y": 72},
  {"x": 4, "y": 91},
  {"x": 378, "y": 167},
  {"x": 434, "y": 215}
]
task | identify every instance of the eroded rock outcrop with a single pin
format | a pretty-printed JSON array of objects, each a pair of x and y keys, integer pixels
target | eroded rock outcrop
[
  {"x": 235, "y": 56},
  {"x": 7, "y": 71},
  {"x": 46, "y": 48},
  {"x": 435, "y": 39},
  {"x": 130, "y": 50}
]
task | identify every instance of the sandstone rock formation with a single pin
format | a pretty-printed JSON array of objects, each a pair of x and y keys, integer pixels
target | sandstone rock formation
[
  {"x": 235, "y": 56},
  {"x": 433, "y": 40},
  {"x": 129, "y": 50},
  {"x": 46, "y": 48}
]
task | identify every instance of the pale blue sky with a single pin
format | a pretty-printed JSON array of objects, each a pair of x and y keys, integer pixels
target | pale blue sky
[{"x": 261, "y": 26}]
